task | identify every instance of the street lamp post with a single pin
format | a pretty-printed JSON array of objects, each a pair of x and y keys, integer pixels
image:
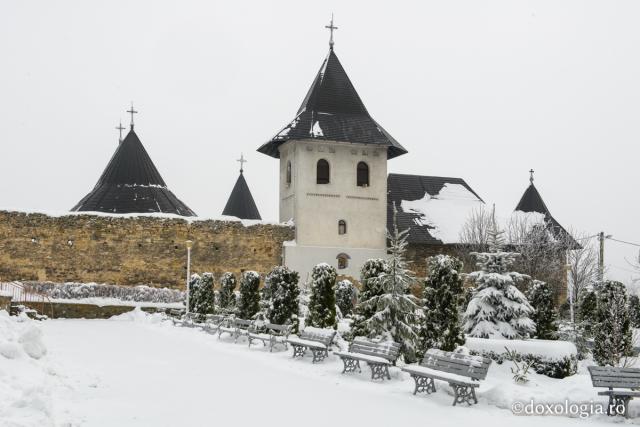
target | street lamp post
[{"x": 189, "y": 246}]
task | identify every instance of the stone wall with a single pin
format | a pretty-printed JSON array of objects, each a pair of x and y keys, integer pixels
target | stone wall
[
  {"x": 5, "y": 303},
  {"x": 131, "y": 250},
  {"x": 62, "y": 310}
]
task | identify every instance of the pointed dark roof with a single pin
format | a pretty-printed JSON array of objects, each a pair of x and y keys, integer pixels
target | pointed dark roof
[
  {"x": 332, "y": 110},
  {"x": 240, "y": 203},
  {"x": 531, "y": 201},
  {"x": 131, "y": 184}
]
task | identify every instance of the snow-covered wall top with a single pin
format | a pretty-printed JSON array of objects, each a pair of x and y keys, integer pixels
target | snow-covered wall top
[
  {"x": 550, "y": 350},
  {"x": 132, "y": 249}
]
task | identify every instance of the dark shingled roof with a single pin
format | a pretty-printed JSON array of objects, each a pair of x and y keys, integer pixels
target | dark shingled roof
[
  {"x": 132, "y": 184},
  {"x": 240, "y": 203},
  {"x": 414, "y": 187},
  {"x": 531, "y": 201},
  {"x": 332, "y": 110}
]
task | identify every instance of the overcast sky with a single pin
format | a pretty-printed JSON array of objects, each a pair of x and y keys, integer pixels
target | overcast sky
[{"x": 479, "y": 90}]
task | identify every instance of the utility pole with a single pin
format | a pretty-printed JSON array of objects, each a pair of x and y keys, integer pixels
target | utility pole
[{"x": 189, "y": 245}]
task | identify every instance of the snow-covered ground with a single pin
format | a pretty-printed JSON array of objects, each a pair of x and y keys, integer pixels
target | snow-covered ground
[{"x": 138, "y": 370}]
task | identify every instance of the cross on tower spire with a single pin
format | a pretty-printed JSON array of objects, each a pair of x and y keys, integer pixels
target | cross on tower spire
[
  {"x": 531, "y": 176},
  {"x": 242, "y": 162},
  {"x": 120, "y": 128},
  {"x": 331, "y": 27},
  {"x": 132, "y": 112}
]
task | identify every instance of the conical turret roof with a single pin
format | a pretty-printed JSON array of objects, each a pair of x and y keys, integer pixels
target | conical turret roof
[
  {"x": 241, "y": 203},
  {"x": 333, "y": 110},
  {"x": 131, "y": 184}
]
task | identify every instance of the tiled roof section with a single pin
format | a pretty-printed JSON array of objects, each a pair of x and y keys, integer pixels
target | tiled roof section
[
  {"x": 531, "y": 201},
  {"x": 131, "y": 184},
  {"x": 414, "y": 187},
  {"x": 241, "y": 203},
  {"x": 333, "y": 110}
]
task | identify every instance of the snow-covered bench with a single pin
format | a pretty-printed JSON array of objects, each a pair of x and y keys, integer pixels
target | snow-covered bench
[
  {"x": 462, "y": 372},
  {"x": 315, "y": 339},
  {"x": 273, "y": 334},
  {"x": 213, "y": 322},
  {"x": 235, "y": 327},
  {"x": 378, "y": 355},
  {"x": 616, "y": 378}
]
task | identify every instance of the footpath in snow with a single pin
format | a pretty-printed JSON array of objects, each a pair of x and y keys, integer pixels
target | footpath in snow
[{"x": 138, "y": 370}]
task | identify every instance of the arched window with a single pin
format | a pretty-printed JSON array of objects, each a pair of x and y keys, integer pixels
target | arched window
[
  {"x": 322, "y": 172},
  {"x": 343, "y": 261},
  {"x": 342, "y": 227},
  {"x": 289, "y": 172},
  {"x": 363, "y": 174}
]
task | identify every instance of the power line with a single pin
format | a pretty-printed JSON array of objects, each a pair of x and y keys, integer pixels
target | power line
[{"x": 622, "y": 241}]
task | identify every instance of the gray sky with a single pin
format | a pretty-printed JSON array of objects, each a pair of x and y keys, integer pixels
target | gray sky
[{"x": 480, "y": 90}]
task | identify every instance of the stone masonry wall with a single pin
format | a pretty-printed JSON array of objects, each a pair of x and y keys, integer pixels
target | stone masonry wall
[{"x": 131, "y": 250}]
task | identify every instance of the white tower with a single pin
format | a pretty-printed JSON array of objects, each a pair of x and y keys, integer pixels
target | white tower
[{"x": 333, "y": 176}]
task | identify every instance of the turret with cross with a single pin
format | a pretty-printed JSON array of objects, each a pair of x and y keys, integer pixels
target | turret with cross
[
  {"x": 531, "y": 176},
  {"x": 132, "y": 112},
  {"x": 120, "y": 128},
  {"x": 331, "y": 27},
  {"x": 242, "y": 161}
]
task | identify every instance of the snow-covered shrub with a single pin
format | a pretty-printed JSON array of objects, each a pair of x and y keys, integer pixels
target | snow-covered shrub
[
  {"x": 284, "y": 292},
  {"x": 227, "y": 296},
  {"x": 555, "y": 359},
  {"x": 249, "y": 301},
  {"x": 371, "y": 269},
  {"x": 394, "y": 310},
  {"x": 441, "y": 323},
  {"x": 204, "y": 296},
  {"x": 194, "y": 283},
  {"x": 587, "y": 312},
  {"x": 322, "y": 303},
  {"x": 634, "y": 310},
  {"x": 346, "y": 296},
  {"x": 140, "y": 293},
  {"x": 498, "y": 309},
  {"x": 613, "y": 339},
  {"x": 540, "y": 296}
]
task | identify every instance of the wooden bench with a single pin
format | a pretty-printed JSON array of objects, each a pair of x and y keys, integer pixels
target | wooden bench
[
  {"x": 235, "y": 327},
  {"x": 462, "y": 372},
  {"x": 378, "y": 355},
  {"x": 272, "y": 334},
  {"x": 315, "y": 339},
  {"x": 213, "y": 322},
  {"x": 616, "y": 378}
]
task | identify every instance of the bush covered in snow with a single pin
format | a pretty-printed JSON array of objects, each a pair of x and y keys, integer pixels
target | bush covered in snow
[
  {"x": 541, "y": 297},
  {"x": 322, "y": 303},
  {"x": 249, "y": 300},
  {"x": 371, "y": 269},
  {"x": 227, "y": 296},
  {"x": 346, "y": 296},
  {"x": 283, "y": 291},
  {"x": 202, "y": 297},
  {"x": 140, "y": 293},
  {"x": 613, "y": 339}
]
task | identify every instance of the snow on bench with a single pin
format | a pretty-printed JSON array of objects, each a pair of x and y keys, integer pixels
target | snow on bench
[
  {"x": 275, "y": 334},
  {"x": 461, "y": 371},
  {"x": 315, "y": 339},
  {"x": 235, "y": 327},
  {"x": 377, "y": 355},
  {"x": 616, "y": 378}
]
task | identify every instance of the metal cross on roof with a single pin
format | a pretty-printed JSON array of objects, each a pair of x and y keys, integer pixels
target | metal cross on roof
[
  {"x": 531, "y": 176},
  {"x": 132, "y": 112},
  {"x": 242, "y": 162},
  {"x": 120, "y": 128},
  {"x": 331, "y": 27}
]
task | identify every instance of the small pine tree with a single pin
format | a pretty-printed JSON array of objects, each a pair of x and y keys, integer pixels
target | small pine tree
[
  {"x": 249, "y": 301},
  {"x": 204, "y": 295},
  {"x": 540, "y": 296},
  {"x": 371, "y": 269},
  {"x": 587, "y": 312},
  {"x": 346, "y": 295},
  {"x": 227, "y": 296},
  {"x": 394, "y": 310},
  {"x": 498, "y": 309},
  {"x": 194, "y": 283},
  {"x": 284, "y": 292},
  {"x": 322, "y": 304},
  {"x": 612, "y": 332},
  {"x": 441, "y": 323},
  {"x": 634, "y": 310}
]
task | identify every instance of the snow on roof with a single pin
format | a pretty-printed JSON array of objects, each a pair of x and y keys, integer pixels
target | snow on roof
[
  {"x": 191, "y": 219},
  {"x": 444, "y": 213}
]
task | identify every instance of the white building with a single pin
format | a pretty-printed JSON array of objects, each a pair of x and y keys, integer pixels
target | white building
[{"x": 333, "y": 176}]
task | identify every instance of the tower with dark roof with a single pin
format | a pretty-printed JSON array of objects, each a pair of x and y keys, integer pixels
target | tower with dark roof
[
  {"x": 333, "y": 174},
  {"x": 241, "y": 203},
  {"x": 131, "y": 184}
]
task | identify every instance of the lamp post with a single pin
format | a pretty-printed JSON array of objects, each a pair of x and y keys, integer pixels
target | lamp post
[{"x": 189, "y": 246}]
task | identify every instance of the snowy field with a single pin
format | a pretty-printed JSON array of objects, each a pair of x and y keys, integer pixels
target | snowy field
[{"x": 138, "y": 370}]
